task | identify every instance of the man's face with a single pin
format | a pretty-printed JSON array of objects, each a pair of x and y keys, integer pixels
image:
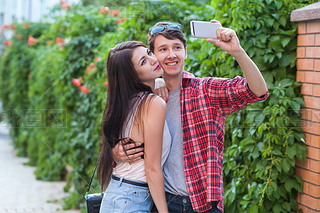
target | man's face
[{"x": 171, "y": 55}]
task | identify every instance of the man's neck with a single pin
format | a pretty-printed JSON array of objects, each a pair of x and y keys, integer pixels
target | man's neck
[{"x": 173, "y": 82}]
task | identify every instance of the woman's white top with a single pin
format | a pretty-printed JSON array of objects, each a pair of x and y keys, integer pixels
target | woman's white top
[{"x": 136, "y": 171}]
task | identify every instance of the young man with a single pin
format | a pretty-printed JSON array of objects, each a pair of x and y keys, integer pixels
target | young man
[{"x": 196, "y": 113}]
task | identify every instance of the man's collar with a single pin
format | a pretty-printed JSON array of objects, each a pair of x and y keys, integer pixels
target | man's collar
[{"x": 187, "y": 75}]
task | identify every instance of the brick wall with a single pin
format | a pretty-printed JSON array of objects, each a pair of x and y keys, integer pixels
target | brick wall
[{"x": 308, "y": 72}]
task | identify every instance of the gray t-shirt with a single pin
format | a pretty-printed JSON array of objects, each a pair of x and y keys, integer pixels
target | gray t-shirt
[{"x": 173, "y": 170}]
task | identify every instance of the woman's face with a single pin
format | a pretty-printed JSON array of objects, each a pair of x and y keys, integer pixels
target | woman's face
[{"x": 146, "y": 65}]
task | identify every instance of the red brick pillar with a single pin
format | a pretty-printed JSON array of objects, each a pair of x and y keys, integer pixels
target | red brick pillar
[{"x": 308, "y": 72}]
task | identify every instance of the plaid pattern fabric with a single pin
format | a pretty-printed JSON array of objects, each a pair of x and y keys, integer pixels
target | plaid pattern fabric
[{"x": 204, "y": 103}]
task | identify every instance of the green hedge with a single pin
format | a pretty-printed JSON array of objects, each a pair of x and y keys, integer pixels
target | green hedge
[{"x": 57, "y": 125}]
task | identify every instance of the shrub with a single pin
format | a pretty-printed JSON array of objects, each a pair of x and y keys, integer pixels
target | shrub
[{"x": 53, "y": 90}]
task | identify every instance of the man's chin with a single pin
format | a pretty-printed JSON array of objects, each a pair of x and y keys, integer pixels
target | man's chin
[{"x": 172, "y": 73}]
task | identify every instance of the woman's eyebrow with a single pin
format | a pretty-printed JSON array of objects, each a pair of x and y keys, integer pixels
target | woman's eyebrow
[{"x": 143, "y": 57}]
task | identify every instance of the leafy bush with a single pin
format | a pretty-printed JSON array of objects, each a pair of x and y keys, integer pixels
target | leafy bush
[
  {"x": 263, "y": 139},
  {"x": 54, "y": 93}
]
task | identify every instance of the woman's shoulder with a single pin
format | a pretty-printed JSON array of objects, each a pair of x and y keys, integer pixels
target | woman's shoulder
[
  {"x": 154, "y": 103},
  {"x": 156, "y": 100}
]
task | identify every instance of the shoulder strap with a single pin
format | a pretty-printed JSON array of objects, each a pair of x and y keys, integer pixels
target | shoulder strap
[{"x": 88, "y": 188}]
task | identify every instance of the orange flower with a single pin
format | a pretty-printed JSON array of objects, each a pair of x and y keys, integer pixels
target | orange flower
[
  {"x": 118, "y": 21},
  {"x": 62, "y": 2},
  {"x": 65, "y": 6},
  {"x": 12, "y": 27},
  {"x": 105, "y": 83},
  {"x": 7, "y": 42},
  {"x": 77, "y": 82},
  {"x": 59, "y": 40},
  {"x": 96, "y": 59},
  {"x": 26, "y": 26},
  {"x": 5, "y": 26},
  {"x": 49, "y": 42},
  {"x": 31, "y": 40},
  {"x": 104, "y": 10},
  {"x": 84, "y": 89},
  {"x": 92, "y": 66},
  {"x": 121, "y": 20},
  {"x": 18, "y": 36},
  {"x": 114, "y": 12}
]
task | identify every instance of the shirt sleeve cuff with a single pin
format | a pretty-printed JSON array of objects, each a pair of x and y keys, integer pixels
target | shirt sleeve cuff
[{"x": 253, "y": 97}]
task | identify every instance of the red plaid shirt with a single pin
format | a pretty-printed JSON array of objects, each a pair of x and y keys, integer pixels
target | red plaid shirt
[{"x": 204, "y": 104}]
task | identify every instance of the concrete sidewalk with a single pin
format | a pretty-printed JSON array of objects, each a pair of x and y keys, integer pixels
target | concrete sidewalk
[{"x": 19, "y": 189}]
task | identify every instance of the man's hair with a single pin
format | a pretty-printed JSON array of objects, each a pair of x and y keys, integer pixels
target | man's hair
[{"x": 167, "y": 33}]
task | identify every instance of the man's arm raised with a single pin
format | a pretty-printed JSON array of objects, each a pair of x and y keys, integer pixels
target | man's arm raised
[{"x": 229, "y": 42}]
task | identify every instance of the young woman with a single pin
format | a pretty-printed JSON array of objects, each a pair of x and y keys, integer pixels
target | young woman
[{"x": 133, "y": 111}]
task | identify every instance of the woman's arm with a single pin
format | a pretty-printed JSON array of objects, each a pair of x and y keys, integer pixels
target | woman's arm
[{"x": 153, "y": 123}]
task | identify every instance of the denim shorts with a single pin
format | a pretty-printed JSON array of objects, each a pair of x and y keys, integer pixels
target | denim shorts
[{"x": 124, "y": 197}]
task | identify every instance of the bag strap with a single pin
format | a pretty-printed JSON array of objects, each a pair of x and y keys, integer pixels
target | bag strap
[{"x": 88, "y": 188}]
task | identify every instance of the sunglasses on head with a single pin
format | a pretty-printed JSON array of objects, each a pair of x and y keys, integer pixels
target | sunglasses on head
[{"x": 160, "y": 28}]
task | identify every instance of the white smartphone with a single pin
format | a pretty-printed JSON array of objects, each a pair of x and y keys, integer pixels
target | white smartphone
[{"x": 204, "y": 29}]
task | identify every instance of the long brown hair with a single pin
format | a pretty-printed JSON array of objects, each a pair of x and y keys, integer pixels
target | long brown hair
[{"x": 123, "y": 85}]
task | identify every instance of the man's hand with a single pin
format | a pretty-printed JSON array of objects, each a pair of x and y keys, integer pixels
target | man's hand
[
  {"x": 133, "y": 154},
  {"x": 227, "y": 40}
]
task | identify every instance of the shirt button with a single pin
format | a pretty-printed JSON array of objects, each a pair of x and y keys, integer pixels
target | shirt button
[{"x": 184, "y": 200}]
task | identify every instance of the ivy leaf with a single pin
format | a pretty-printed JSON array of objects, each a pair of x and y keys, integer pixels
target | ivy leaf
[
  {"x": 299, "y": 100},
  {"x": 288, "y": 58},
  {"x": 285, "y": 82},
  {"x": 301, "y": 152},
  {"x": 244, "y": 203},
  {"x": 285, "y": 165},
  {"x": 277, "y": 208},
  {"x": 285, "y": 41},
  {"x": 295, "y": 106},
  {"x": 260, "y": 146},
  {"x": 276, "y": 45},
  {"x": 286, "y": 206},
  {"x": 278, "y": 4},
  {"x": 277, "y": 152},
  {"x": 291, "y": 151},
  {"x": 231, "y": 194},
  {"x": 289, "y": 184},
  {"x": 262, "y": 38},
  {"x": 253, "y": 208},
  {"x": 259, "y": 119},
  {"x": 283, "y": 21},
  {"x": 247, "y": 141}
]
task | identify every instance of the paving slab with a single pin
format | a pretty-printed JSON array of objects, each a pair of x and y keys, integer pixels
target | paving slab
[{"x": 20, "y": 192}]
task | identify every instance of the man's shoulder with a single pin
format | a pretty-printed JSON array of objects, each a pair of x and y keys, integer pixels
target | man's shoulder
[{"x": 189, "y": 76}]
